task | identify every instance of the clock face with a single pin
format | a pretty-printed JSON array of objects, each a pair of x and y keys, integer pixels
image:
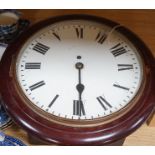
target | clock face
[{"x": 79, "y": 69}]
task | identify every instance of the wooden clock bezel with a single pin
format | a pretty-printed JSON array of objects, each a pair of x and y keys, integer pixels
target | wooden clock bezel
[{"x": 52, "y": 132}]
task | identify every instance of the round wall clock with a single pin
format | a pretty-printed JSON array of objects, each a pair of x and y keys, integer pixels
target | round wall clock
[{"x": 78, "y": 80}]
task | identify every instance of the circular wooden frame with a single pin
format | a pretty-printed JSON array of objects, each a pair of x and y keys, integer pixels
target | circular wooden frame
[{"x": 52, "y": 132}]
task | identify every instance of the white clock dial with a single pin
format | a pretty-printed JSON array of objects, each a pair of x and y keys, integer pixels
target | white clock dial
[{"x": 79, "y": 70}]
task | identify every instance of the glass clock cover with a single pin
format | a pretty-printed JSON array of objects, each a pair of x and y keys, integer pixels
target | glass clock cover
[{"x": 79, "y": 70}]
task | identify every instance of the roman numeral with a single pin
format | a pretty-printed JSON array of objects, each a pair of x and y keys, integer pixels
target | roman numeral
[
  {"x": 122, "y": 67},
  {"x": 78, "y": 108},
  {"x": 32, "y": 65},
  {"x": 118, "y": 50},
  {"x": 105, "y": 104},
  {"x": 54, "y": 99},
  {"x": 122, "y": 87},
  {"x": 57, "y": 36},
  {"x": 79, "y": 32},
  {"x": 100, "y": 38},
  {"x": 41, "y": 48},
  {"x": 37, "y": 85},
  {"x": 117, "y": 45}
]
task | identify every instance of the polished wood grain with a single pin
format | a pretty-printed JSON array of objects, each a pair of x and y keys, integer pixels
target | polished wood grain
[
  {"x": 144, "y": 136},
  {"x": 135, "y": 20},
  {"x": 151, "y": 120}
]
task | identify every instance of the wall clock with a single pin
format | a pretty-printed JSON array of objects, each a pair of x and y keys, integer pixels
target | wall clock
[{"x": 78, "y": 80}]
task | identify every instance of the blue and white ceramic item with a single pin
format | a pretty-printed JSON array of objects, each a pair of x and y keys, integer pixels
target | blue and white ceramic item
[
  {"x": 9, "y": 30},
  {"x": 13, "y": 27},
  {"x": 5, "y": 120},
  {"x": 6, "y": 140}
]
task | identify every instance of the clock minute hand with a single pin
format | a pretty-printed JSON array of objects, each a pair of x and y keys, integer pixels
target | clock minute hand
[{"x": 80, "y": 87}]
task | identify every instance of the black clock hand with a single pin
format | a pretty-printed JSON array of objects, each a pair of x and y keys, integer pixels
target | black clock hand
[{"x": 80, "y": 87}]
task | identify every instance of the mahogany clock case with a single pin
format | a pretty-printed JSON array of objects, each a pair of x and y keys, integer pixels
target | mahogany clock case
[{"x": 52, "y": 132}]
